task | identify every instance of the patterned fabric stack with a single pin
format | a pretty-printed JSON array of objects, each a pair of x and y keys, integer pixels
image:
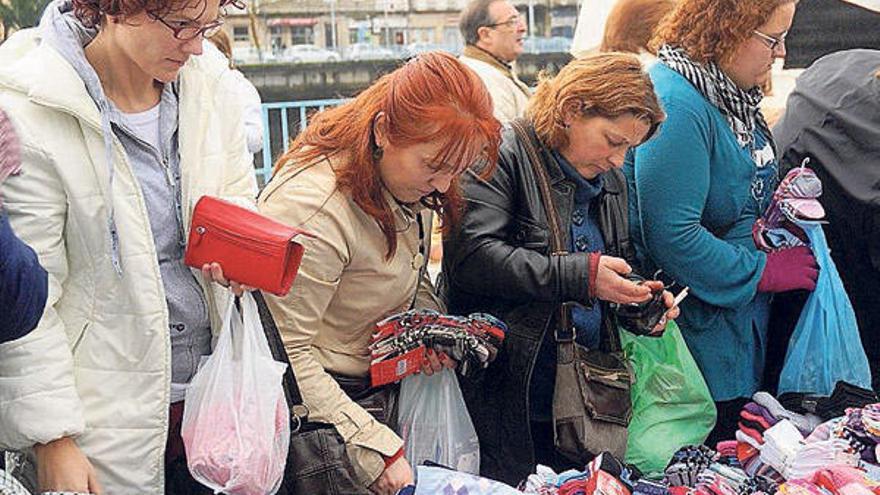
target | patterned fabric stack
[{"x": 398, "y": 347}]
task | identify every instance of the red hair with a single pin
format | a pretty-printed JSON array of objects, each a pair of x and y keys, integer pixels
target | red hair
[
  {"x": 432, "y": 98},
  {"x": 631, "y": 24}
]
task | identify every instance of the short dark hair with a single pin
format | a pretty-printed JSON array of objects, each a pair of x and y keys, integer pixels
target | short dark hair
[
  {"x": 91, "y": 12},
  {"x": 474, "y": 16}
]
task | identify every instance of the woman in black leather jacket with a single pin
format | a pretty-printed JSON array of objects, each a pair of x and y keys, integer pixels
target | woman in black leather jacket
[{"x": 583, "y": 121}]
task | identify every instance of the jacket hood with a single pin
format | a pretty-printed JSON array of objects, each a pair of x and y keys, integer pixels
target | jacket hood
[
  {"x": 60, "y": 29},
  {"x": 49, "y": 65}
]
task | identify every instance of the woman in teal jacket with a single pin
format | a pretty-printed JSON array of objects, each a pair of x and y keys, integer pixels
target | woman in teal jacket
[{"x": 697, "y": 188}]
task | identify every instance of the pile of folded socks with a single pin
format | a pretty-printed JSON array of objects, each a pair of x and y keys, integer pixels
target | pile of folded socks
[
  {"x": 400, "y": 341},
  {"x": 727, "y": 452},
  {"x": 764, "y": 413},
  {"x": 782, "y": 443},
  {"x": 777, "y": 451},
  {"x": 604, "y": 475},
  {"x": 832, "y": 480},
  {"x": 686, "y": 465},
  {"x": 701, "y": 471},
  {"x": 858, "y": 429},
  {"x": 845, "y": 396}
]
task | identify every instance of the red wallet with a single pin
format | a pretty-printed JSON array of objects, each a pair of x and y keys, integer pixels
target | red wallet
[{"x": 252, "y": 249}]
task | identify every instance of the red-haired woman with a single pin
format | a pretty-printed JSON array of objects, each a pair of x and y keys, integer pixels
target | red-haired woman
[
  {"x": 630, "y": 27},
  {"x": 364, "y": 178},
  {"x": 123, "y": 127}
]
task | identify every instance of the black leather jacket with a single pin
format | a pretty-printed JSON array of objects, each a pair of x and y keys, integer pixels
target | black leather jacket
[{"x": 499, "y": 262}]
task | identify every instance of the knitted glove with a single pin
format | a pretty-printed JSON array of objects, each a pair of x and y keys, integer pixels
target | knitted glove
[
  {"x": 10, "y": 157},
  {"x": 789, "y": 269}
]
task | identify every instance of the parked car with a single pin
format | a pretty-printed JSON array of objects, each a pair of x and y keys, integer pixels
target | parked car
[
  {"x": 309, "y": 53},
  {"x": 367, "y": 51},
  {"x": 418, "y": 47},
  {"x": 553, "y": 44},
  {"x": 250, "y": 55}
]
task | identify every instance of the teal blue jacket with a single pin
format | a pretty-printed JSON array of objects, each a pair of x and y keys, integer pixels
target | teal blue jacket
[{"x": 692, "y": 205}]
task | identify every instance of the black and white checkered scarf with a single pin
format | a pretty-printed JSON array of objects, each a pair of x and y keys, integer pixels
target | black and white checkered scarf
[{"x": 739, "y": 107}]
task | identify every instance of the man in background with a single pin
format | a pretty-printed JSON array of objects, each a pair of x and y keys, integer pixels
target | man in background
[{"x": 493, "y": 31}]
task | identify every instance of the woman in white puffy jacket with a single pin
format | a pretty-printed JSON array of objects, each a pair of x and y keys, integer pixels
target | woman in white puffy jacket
[{"x": 123, "y": 127}]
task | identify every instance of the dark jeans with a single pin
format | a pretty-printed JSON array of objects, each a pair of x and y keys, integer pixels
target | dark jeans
[
  {"x": 178, "y": 481},
  {"x": 545, "y": 449},
  {"x": 727, "y": 423}
]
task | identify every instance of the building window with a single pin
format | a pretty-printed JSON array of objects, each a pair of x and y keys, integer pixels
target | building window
[
  {"x": 241, "y": 33},
  {"x": 277, "y": 38},
  {"x": 303, "y": 35}
]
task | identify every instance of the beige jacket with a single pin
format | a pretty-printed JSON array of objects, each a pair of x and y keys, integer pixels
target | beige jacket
[
  {"x": 97, "y": 367},
  {"x": 509, "y": 95},
  {"x": 343, "y": 288}
]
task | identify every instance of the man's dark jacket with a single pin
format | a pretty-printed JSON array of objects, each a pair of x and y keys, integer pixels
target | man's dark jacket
[{"x": 499, "y": 262}]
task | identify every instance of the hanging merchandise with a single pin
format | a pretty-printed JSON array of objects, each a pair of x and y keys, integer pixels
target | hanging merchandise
[
  {"x": 825, "y": 347},
  {"x": 235, "y": 426},
  {"x": 672, "y": 406},
  {"x": 434, "y": 423},
  {"x": 794, "y": 200}
]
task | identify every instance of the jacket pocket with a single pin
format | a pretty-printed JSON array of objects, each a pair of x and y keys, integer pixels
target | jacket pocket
[{"x": 530, "y": 235}]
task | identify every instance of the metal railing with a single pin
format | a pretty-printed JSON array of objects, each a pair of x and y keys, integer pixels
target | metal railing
[{"x": 278, "y": 120}]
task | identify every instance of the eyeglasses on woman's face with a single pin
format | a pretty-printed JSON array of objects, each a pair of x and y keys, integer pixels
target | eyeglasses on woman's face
[
  {"x": 187, "y": 29},
  {"x": 772, "y": 42}
]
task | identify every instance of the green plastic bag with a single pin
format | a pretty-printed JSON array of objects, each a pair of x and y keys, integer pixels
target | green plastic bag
[{"x": 672, "y": 406}]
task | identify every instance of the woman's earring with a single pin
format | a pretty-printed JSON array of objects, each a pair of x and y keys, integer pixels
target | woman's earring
[{"x": 377, "y": 153}]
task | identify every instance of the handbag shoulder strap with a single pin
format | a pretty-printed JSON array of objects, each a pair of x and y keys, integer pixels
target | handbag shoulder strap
[
  {"x": 423, "y": 253},
  {"x": 521, "y": 128},
  {"x": 564, "y": 332},
  {"x": 291, "y": 389}
]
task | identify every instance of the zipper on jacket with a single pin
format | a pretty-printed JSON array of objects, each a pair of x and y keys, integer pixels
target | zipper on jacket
[
  {"x": 249, "y": 242},
  {"x": 176, "y": 199},
  {"x": 79, "y": 338}
]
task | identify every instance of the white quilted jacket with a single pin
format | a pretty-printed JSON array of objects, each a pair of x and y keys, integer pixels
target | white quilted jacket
[{"x": 98, "y": 365}]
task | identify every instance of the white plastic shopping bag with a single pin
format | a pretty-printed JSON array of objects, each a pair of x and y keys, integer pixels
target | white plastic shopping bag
[
  {"x": 434, "y": 423},
  {"x": 236, "y": 428}
]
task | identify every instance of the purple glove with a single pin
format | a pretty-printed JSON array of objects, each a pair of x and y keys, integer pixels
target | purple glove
[
  {"x": 10, "y": 159},
  {"x": 789, "y": 269}
]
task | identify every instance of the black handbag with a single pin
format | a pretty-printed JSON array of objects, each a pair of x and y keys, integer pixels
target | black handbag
[
  {"x": 317, "y": 461},
  {"x": 592, "y": 406}
]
